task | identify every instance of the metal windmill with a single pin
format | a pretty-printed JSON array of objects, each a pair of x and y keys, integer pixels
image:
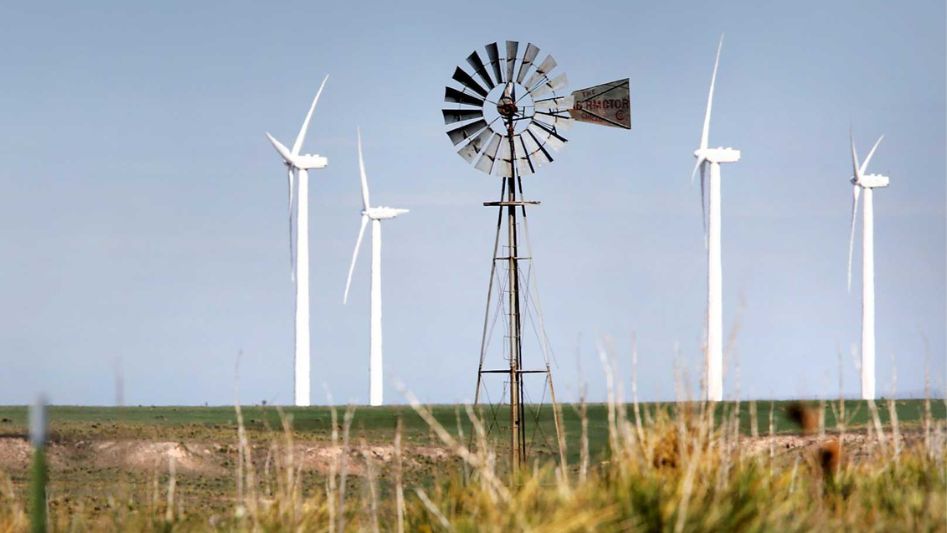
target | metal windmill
[{"x": 508, "y": 124}]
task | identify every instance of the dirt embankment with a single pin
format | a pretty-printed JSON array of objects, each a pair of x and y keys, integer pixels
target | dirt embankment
[
  {"x": 211, "y": 458},
  {"x": 208, "y": 458}
]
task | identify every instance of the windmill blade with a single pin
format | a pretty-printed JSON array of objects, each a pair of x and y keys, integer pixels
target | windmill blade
[
  {"x": 556, "y": 103},
  {"x": 542, "y": 72},
  {"x": 470, "y": 151},
  {"x": 485, "y": 163},
  {"x": 556, "y": 84},
  {"x": 856, "y": 189},
  {"x": 468, "y": 130},
  {"x": 504, "y": 162},
  {"x": 477, "y": 64},
  {"x": 864, "y": 165},
  {"x": 705, "y": 133},
  {"x": 460, "y": 115},
  {"x": 531, "y": 52},
  {"x": 524, "y": 164},
  {"x": 358, "y": 243},
  {"x": 453, "y": 95},
  {"x": 297, "y": 145},
  {"x": 461, "y": 76},
  {"x": 856, "y": 170},
  {"x": 361, "y": 170},
  {"x": 511, "y": 48},
  {"x": 537, "y": 152},
  {"x": 554, "y": 120},
  {"x": 493, "y": 53},
  {"x": 547, "y": 135},
  {"x": 292, "y": 250}
]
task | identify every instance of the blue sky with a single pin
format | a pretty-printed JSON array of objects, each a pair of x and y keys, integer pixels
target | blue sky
[{"x": 142, "y": 212}]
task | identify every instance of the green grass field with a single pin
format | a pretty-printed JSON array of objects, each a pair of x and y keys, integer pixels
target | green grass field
[{"x": 377, "y": 423}]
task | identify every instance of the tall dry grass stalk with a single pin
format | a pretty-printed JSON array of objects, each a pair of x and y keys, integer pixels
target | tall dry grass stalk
[
  {"x": 584, "y": 436},
  {"x": 372, "y": 486},
  {"x": 754, "y": 422},
  {"x": 879, "y": 431},
  {"x": 399, "y": 477},
  {"x": 344, "y": 465},
  {"x": 435, "y": 512},
  {"x": 172, "y": 481}
]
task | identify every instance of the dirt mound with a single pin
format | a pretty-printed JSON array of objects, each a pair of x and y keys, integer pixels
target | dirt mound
[
  {"x": 148, "y": 455},
  {"x": 15, "y": 453}
]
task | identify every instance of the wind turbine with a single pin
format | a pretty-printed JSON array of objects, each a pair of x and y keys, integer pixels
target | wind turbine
[
  {"x": 867, "y": 182},
  {"x": 713, "y": 157},
  {"x": 298, "y": 166},
  {"x": 376, "y": 215}
]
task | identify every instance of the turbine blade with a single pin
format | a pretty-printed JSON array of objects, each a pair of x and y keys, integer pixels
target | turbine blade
[
  {"x": 703, "y": 203},
  {"x": 292, "y": 252},
  {"x": 361, "y": 171},
  {"x": 864, "y": 165},
  {"x": 696, "y": 167},
  {"x": 358, "y": 244},
  {"x": 856, "y": 189},
  {"x": 856, "y": 171},
  {"x": 704, "y": 135},
  {"x": 302, "y": 131},
  {"x": 281, "y": 149}
]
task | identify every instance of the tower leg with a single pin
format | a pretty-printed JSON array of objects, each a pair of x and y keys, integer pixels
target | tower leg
[{"x": 517, "y": 446}]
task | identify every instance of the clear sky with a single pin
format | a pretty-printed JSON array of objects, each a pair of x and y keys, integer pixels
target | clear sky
[{"x": 143, "y": 213}]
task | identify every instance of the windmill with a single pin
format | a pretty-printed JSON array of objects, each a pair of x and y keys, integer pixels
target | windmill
[
  {"x": 375, "y": 215},
  {"x": 508, "y": 122},
  {"x": 867, "y": 182},
  {"x": 713, "y": 157},
  {"x": 298, "y": 166}
]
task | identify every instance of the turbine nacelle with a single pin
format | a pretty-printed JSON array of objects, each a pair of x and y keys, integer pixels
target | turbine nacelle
[
  {"x": 871, "y": 181},
  {"x": 383, "y": 213},
  {"x": 310, "y": 161},
  {"x": 299, "y": 161},
  {"x": 717, "y": 155}
]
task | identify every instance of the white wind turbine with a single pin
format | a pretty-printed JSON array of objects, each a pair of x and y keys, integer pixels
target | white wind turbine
[
  {"x": 376, "y": 215},
  {"x": 298, "y": 166},
  {"x": 861, "y": 181},
  {"x": 713, "y": 157}
]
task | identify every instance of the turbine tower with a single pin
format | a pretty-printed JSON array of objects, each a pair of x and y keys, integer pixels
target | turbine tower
[
  {"x": 713, "y": 157},
  {"x": 376, "y": 215},
  {"x": 298, "y": 166},
  {"x": 867, "y": 182}
]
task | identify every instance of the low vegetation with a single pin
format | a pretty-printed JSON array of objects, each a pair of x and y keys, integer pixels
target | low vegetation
[{"x": 784, "y": 466}]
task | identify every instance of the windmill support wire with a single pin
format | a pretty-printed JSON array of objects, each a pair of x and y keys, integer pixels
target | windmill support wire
[{"x": 507, "y": 205}]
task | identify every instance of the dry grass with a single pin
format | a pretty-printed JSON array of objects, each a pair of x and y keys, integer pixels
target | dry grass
[{"x": 684, "y": 469}]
